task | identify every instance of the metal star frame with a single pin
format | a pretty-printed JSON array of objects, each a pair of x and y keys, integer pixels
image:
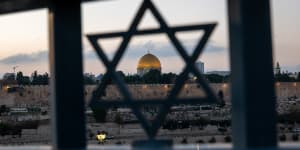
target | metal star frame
[{"x": 151, "y": 128}]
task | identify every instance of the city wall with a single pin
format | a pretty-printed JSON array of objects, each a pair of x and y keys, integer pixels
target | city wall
[{"x": 39, "y": 95}]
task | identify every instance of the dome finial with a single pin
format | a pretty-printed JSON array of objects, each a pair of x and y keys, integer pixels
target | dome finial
[{"x": 149, "y": 45}]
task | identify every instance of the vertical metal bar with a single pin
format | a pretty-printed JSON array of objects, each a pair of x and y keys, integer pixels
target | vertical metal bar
[
  {"x": 66, "y": 74},
  {"x": 253, "y": 96}
]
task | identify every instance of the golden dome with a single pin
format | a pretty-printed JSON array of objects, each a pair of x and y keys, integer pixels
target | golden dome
[{"x": 149, "y": 61}]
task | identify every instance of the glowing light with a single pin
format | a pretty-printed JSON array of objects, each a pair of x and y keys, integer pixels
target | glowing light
[
  {"x": 166, "y": 86},
  {"x": 277, "y": 84},
  {"x": 101, "y": 137},
  {"x": 224, "y": 85},
  {"x": 185, "y": 86},
  {"x": 295, "y": 84},
  {"x": 6, "y": 87}
]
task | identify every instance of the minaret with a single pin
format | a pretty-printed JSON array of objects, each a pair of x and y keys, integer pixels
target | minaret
[{"x": 277, "y": 69}]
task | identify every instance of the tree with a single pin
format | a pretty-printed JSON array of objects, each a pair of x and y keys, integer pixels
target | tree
[
  {"x": 295, "y": 137},
  {"x": 45, "y": 78},
  {"x": 88, "y": 80},
  {"x": 3, "y": 109},
  {"x": 119, "y": 120},
  {"x": 25, "y": 80},
  {"x": 9, "y": 76},
  {"x": 184, "y": 141},
  {"x": 19, "y": 77},
  {"x": 133, "y": 79},
  {"x": 282, "y": 137},
  {"x": 202, "y": 122},
  {"x": 227, "y": 139},
  {"x": 34, "y": 77},
  {"x": 227, "y": 78},
  {"x": 212, "y": 140},
  {"x": 153, "y": 76},
  {"x": 200, "y": 141},
  {"x": 215, "y": 78},
  {"x": 121, "y": 74},
  {"x": 4, "y": 129},
  {"x": 99, "y": 114},
  {"x": 38, "y": 79},
  {"x": 221, "y": 98},
  {"x": 291, "y": 116},
  {"x": 168, "y": 78},
  {"x": 284, "y": 77}
]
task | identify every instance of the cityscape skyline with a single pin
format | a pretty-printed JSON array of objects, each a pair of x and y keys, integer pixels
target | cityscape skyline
[
  {"x": 180, "y": 93},
  {"x": 31, "y": 51}
]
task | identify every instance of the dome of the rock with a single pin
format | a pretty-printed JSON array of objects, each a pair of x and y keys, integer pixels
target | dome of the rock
[{"x": 148, "y": 62}]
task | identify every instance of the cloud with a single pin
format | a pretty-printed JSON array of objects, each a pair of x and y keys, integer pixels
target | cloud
[
  {"x": 40, "y": 56},
  {"x": 291, "y": 68},
  {"x": 36, "y": 57},
  {"x": 162, "y": 50}
]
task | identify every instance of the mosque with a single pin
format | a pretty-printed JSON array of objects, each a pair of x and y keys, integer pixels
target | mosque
[{"x": 148, "y": 62}]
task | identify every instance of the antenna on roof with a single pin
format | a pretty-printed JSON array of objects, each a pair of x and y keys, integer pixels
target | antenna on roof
[
  {"x": 149, "y": 45},
  {"x": 14, "y": 68}
]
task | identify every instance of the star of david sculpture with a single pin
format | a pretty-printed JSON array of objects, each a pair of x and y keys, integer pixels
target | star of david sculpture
[{"x": 151, "y": 127}]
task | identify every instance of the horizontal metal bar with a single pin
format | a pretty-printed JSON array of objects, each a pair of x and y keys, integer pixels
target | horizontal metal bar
[
  {"x": 218, "y": 146},
  {"x": 9, "y": 6},
  {"x": 110, "y": 103},
  {"x": 152, "y": 31},
  {"x": 12, "y": 6}
]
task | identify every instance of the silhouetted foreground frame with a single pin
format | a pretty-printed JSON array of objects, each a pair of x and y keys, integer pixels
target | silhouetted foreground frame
[
  {"x": 253, "y": 97},
  {"x": 151, "y": 128}
]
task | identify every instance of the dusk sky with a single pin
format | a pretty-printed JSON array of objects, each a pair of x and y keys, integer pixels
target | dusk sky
[{"x": 24, "y": 36}]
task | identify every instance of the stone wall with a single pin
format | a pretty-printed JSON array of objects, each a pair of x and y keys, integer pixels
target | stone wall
[
  {"x": 39, "y": 95},
  {"x": 159, "y": 91},
  {"x": 287, "y": 89}
]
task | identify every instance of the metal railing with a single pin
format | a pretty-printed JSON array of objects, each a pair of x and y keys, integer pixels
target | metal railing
[{"x": 151, "y": 128}]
